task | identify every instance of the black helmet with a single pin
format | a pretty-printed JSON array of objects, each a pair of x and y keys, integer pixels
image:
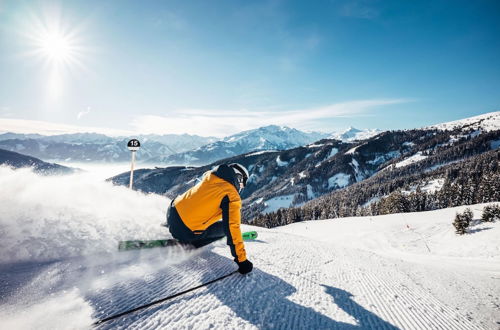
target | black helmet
[{"x": 241, "y": 170}]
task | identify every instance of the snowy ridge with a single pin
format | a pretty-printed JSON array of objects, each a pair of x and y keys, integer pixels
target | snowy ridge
[
  {"x": 353, "y": 134},
  {"x": 16, "y": 160},
  {"x": 487, "y": 122},
  {"x": 259, "y": 153}
]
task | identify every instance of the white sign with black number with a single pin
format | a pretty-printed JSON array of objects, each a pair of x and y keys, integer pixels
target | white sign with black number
[{"x": 133, "y": 145}]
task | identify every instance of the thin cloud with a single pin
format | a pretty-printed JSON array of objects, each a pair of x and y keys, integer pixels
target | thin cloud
[
  {"x": 47, "y": 128},
  {"x": 6, "y": 111},
  {"x": 83, "y": 113},
  {"x": 222, "y": 122},
  {"x": 211, "y": 122}
]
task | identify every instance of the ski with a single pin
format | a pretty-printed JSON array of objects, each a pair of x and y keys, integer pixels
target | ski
[
  {"x": 249, "y": 235},
  {"x": 149, "y": 244}
]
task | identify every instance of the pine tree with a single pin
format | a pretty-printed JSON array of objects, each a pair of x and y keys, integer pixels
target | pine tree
[
  {"x": 491, "y": 213},
  {"x": 462, "y": 221}
]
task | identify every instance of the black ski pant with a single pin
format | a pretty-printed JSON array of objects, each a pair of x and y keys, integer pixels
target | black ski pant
[{"x": 196, "y": 238}]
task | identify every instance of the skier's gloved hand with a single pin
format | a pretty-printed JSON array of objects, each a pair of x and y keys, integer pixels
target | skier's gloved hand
[{"x": 244, "y": 266}]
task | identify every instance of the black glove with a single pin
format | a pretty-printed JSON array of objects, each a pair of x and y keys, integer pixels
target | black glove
[{"x": 244, "y": 266}]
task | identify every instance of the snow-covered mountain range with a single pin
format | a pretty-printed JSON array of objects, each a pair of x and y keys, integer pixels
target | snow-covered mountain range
[
  {"x": 92, "y": 147},
  {"x": 284, "y": 178},
  {"x": 265, "y": 138},
  {"x": 169, "y": 149}
]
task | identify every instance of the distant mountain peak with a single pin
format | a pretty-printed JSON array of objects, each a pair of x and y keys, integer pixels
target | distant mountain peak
[
  {"x": 352, "y": 133},
  {"x": 271, "y": 137},
  {"x": 352, "y": 129}
]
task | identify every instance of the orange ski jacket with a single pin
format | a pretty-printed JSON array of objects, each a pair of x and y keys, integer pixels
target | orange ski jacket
[{"x": 214, "y": 198}]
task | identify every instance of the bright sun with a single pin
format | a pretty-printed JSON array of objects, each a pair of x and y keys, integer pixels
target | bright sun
[
  {"x": 56, "y": 47},
  {"x": 60, "y": 54},
  {"x": 53, "y": 40}
]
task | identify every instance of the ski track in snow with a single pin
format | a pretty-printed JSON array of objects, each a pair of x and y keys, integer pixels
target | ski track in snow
[
  {"x": 337, "y": 289},
  {"x": 297, "y": 283}
]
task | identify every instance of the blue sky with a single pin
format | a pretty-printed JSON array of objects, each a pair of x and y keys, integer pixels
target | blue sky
[{"x": 219, "y": 67}]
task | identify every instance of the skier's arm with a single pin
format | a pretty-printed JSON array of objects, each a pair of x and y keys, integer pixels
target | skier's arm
[{"x": 231, "y": 217}]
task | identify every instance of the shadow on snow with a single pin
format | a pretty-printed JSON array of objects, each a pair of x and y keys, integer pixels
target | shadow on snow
[
  {"x": 262, "y": 299},
  {"x": 259, "y": 298}
]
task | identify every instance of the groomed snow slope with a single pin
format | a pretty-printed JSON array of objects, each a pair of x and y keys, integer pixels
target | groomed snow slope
[{"x": 399, "y": 271}]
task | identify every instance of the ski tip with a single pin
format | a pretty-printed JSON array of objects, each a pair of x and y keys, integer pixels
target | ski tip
[{"x": 249, "y": 235}]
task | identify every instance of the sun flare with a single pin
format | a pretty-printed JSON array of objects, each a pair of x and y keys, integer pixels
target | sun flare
[
  {"x": 55, "y": 41},
  {"x": 56, "y": 47}
]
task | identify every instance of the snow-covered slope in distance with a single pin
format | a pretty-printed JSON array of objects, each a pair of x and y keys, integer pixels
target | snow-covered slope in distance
[
  {"x": 16, "y": 160},
  {"x": 407, "y": 271},
  {"x": 353, "y": 134},
  {"x": 487, "y": 122}
]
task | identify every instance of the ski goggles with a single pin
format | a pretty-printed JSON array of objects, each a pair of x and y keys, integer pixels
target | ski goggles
[{"x": 240, "y": 180}]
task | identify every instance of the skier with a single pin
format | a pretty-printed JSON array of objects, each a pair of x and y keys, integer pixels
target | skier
[{"x": 194, "y": 217}]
